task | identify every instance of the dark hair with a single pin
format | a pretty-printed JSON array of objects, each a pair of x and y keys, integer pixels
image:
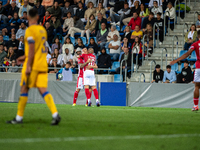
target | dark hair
[
  {"x": 145, "y": 7},
  {"x": 159, "y": 13},
  {"x": 151, "y": 13},
  {"x": 25, "y": 12},
  {"x": 195, "y": 27},
  {"x": 80, "y": 3},
  {"x": 198, "y": 33},
  {"x": 156, "y": 2},
  {"x": 91, "y": 16},
  {"x": 168, "y": 67},
  {"x": 58, "y": 42},
  {"x": 69, "y": 13},
  {"x": 81, "y": 41},
  {"x": 33, "y": 12},
  {"x": 157, "y": 66},
  {"x": 125, "y": 3},
  {"x": 139, "y": 41},
  {"x": 67, "y": 1},
  {"x": 69, "y": 63},
  {"x": 76, "y": 18},
  {"x": 186, "y": 61},
  {"x": 54, "y": 55},
  {"x": 66, "y": 40},
  {"x": 137, "y": 13},
  {"x": 1, "y": 35}
]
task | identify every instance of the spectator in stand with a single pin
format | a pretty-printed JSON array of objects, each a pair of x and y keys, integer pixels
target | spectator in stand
[
  {"x": 48, "y": 57},
  {"x": 12, "y": 9},
  {"x": 137, "y": 50},
  {"x": 91, "y": 10},
  {"x": 20, "y": 51},
  {"x": 5, "y": 3},
  {"x": 80, "y": 12},
  {"x": 3, "y": 14},
  {"x": 46, "y": 18},
  {"x": 170, "y": 15},
  {"x": 136, "y": 20},
  {"x": 55, "y": 10},
  {"x": 2, "y": 41},
  {"x": 56, "y": 44},
  {"x": 66, "y": 56},
  {"x": 66, "y": 73},
  {"x": 120, "y": 15},
  {"x": 132, "y": 3},
  {"x": 186, "y": 74},
  {"x": 21, "y": 31},
  {"x": 144, "y": 12},
  {"x": 26, "y": 7},
  {"x": 50, "y": 32},
  {"x": 55, "y": 65},
  {"x": 127, "y": 56},
  {"x": 68, "y": 44},
  {"x": 31, "y": 2},
  {"x": 18, "y": 3},
  {"x": 112, "y": 32},
  {"x": 149, "y": 33},
  {"x": 100, "y": 20},
  {"x": 69, "y": 22},
  {"x": 75, "y": 57},
  {"x": 151, "y": 4},
  {"x": 90, "y": 26},
  {"x": 11, "y": 54},
  {"x": 127, "y": 33},
  {"x": 160, "y": 23},
  {"x": 65, "y": 10},
  {"x": 13, "y": 43},
  {"x": 148, "y": 20},
  {"x": 190, "y": 37},
  {"x": 3, "y": 54},
  {"x": 56, "y": 24},
  {"x": 80, "y": 44},
  {"x": 169, "y": 75},
  {"x": 13, "y": 65},
  {"x": 158, "y": 75},
  {"x": 93, "y": 45},
  {"x": 47, "y": 3},
  {"x": 93, "y": 1},
  {"x": 198, "y": 23},
  {"x": 25, "y": 18},
  {"x": 100, "y": 9},
  {"x": 78, "y": 27},
  {"x": 40, "y": 9},
  {"x": 59, "y": 57},
  {"x": 115, "y": 48},
  {"x": 136, "y": 33},
  {"x": 136, "y": 7},
  {"x": 104, "y": 61},
  {"x": 102, "y": 35},
  {"x": 60, "y": 2},
  {"x": 125, "y": 43},
  {"x": 156, "y": 9}
]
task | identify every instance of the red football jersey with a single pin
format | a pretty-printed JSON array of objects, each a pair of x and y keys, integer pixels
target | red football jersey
[
  {"x": 196, "y": 46},
  {"x": 80, "y": 70},
  {"x": 89, "y": 56}
]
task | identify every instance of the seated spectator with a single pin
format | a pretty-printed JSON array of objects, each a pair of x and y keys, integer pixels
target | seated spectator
[
  {"x": 3, "y": 14},
  {"x": 46, "y": 18},
  {"x": 55, "y": 10},
  {"x": 48, "y": 57},
  {"x": 69, "y": 22},
  {"x": 144, "y": 12},
  {"x": 198, "y": 23},
  {"x": 31, "y": 2},
  {"x": 125, "y": 43},
  {"x": 102, "y": 35},
  {"x": 11, "y": 54},
  {"x": 14, "y": 43},
  {"x": 127, "y": 33},
  {"x": 80, "y": 12},
  {"x": 12, "y": 10},
  {"x": 60, "y": 3},
  {"x": 148, "y": 20},
  {"x": 160, "y": 23},
  {"x": 59, "y": 57},
  {"x": 56, "y": 44},
  {"x": 13, "y": 65},
  {"x": 91, "y": 10},
  {"x": 2, "y": 41},
  {"x": 120, "y": 15},
  {"x": 21, "y": 31},
  {"x": 104, "y": 61},
  {"x": 169, "y": 75},
  {"x": 157, "y": 75},
  {"x": 186, "y": 75},
  {"x": 3, "y": 54},
  {"x": 113, "y": 31},
  {"x": 136, "y": 33},
  {"x": 40, "y": 9},
  {"x": 54, "y": 64},
  {"x": 149, "y": 33},
  {"x": 80, "y": 44},
  {"x": 127, "y": 56},
  {"x": 93, "y": 45},
  {"x": 136, "y": 20},
  {"x": 75, "y": 57},
  {"x": 135, "y": 7},
  {"x": 100, "y": 9},
  {"x": 20, "y": 51},
  {"x": 190, "y": 37},
  {"x": 115, "y": 48},
  {"x": 66, "y": 73},
  {"x": 56, "y": 24},
  {"x": 170, "y": 15},
  {"x": 26, "y": 7},
  {"x": 156, "y": 9},
  {"x": 151, "y": 4},
  {"x": 47, "y": 3},
  {"x": 93, "y": 1},
  {"x": 66, "y": 56},
  {"x": 90, "y": 26},
  {"x": 24, "y": 18},
  {"x": 104, "y": 2},
  {"x": 67, "y": 9},
  {"x": 18, "y": 3},
  {"x": 72, "y": 67},
  {"x": 68, "y": 44},
  {"x": 132, "y": 3},
  {"x": 50, "y": 32},
  {"x": 137, "y": 50},
  {"x": 78, "y": 27},
  {"x": 100, "y": 20}
]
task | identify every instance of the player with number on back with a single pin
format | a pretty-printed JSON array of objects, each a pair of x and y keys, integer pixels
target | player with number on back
[
  {"x": 194, "y": 47},
  {"x": 34, "y": 72},
  {"x": 88, "y": 75}
]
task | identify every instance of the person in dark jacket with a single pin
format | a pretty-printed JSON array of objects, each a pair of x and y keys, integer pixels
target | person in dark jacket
[
  {"x": 186, "y": 74},
  {"x": 148, "y": 20},
  {"x": 100, "y": 20},
  {"x": 65, "y": 10},
  {"x": 160, "y": 23},
  {"x": 14, "y": 43},
  {"x": 104, "y": 61},
  {"x": 46, "y": 18},
  {"x": 12, "y": 10},
  {"x": 93, "y": 45},
  {"x": 50, "y": 33},
  {"x": 40, "y": 9},
  {"x": 102, "y": 36},
  {"x": 56, "y": 24},
  {"x": 80, "y": 11},
  {"x": 127, "y": 56},
  {"x": 158, "y": 75},
  {"x": 55, "y": 10}
]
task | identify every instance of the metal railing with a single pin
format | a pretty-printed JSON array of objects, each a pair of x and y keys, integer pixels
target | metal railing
[
  {"x": 184, "y": 34},
  {"x": 173, "y": 47},
  {"x": 165, "y": 24},
  {"x": 157, "y": 43},
  {"x": 185, "y": 7},
  {"x": 179, "y": 12},
  {"x": 196, "y": 12},
  {"x": 153, "y": 61},
  {"x": 132, "y": 60},
  {"x": 121, "y": 80},
  {"x": 162, "y": 58},
  {"x": 144, "y": 46},
  {"x": 142, "y": 74}
]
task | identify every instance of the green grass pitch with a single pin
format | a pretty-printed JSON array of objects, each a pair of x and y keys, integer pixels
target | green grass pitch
[{"x": 103, "y": 128}]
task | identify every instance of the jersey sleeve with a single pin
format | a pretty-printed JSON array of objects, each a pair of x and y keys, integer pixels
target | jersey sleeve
[
  {"x": 30, "y": 36},
  {"x": 80, "y": 60},
  {"x": 193, "y": 46}
]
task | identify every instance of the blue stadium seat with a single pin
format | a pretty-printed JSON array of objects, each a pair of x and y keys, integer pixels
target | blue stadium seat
[
  {"x": 182, "y": 66},
  {"x": 115, "y": 65},
  {"x": 94, "y": 40},
  {"x": 123, "y": 28},
  {"x": 120, "y": 56},
  {"x": 117, "y": 78},
  {"x": 194, "y": 66},
  {"x": 175, "y": 67},
  {"x": 107, "y": 51},
  {"x": 84, "y": 40},
  {"x": 181, "y": 53},
  {"x": 118, "y": 28},
  {"x": 73, "y": 40},
  {"x": 193, "y": 57},
  {"x": 78, "y": 34}
]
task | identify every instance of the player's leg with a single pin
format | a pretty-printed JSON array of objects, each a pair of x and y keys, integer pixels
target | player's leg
[
  {"x": 88, "y": 95},
  {"x": 96, "y": 95},
  {"x": 75, "y": 96},
  {"x": 79, "y": 86},
  {"x": 86, "y": 86},
  {"x": 196, "y": 96}
]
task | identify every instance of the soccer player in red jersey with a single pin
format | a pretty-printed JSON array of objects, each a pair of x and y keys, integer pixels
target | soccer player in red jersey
[
  {"x": 194, "y": 47},
  {"x": 89, "y": 77}
]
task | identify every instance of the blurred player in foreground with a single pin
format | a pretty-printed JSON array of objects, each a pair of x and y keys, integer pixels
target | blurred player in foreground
[
  {"x": 194, "y": 47},
  {"x": 34, "y": 72}
]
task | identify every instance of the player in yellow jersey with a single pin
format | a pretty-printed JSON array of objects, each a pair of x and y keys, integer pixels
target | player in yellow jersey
[{"x": 34, "y": 72}]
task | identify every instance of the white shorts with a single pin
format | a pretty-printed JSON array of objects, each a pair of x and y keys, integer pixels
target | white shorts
[
  {"x": 197, "y": 75},
  {"x": 89, "y": 78},
  {"x": 79, "y": 84}
]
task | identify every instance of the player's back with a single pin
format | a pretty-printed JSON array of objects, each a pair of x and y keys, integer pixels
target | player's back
[
  {"x": 196, "y": 47},
  {"x": 93, "y": 60},
  {"x": 37, "y": 34}
]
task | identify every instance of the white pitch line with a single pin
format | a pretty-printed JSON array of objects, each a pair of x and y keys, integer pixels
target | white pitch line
[{"x": 72, "y": 139}]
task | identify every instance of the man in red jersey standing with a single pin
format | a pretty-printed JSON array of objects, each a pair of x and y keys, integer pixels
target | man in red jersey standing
[{"x": 195, "y": 47}]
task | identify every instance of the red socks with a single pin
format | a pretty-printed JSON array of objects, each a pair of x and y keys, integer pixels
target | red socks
[
  {"x": 196, "y": 101},
  {"x": 75, "y": 97},
  {"x": 96, "y": 94},
  {"x": 87, "y": 93}
]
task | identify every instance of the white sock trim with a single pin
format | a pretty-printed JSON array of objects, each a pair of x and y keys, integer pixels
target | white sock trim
[
  {"x": 19, "y": 118},
  {"x": 55, "y": 115}
]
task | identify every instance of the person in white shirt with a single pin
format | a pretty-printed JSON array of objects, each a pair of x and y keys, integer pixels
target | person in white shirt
[
  {"x": 115, "y": 48},
  {"x": 131, "y": 3},
  {"x": 48, "y": 55},
  {"x": 156, "y": 9},
  {"x": 170, "y": 15},
  {"x": 66, "y": 56},
  {"x": 66, "y": 73},
  {"x": 151, "y": 3}
]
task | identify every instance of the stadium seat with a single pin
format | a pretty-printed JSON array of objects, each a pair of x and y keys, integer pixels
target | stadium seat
[
  {"x": 181, "y": 53},
  {"x": 175, "y": 67},
  {"x": 116, "y": 77},
  {"x": 94, "y": 40},
  {"x": 193, "y": 57},
  {"x": 115, "y": 65},
  {"x": 107, "y": 51},
  {"x": 84, "y": 40},
  {"x": 123, "y": 28},
  {"x": 118, "y": 28},
  {"x": 78, "y": 34},
  {"x": 120, "y": 56},
  {"x": 194, "y": 66},
  {"x": 73, "y": 40}
]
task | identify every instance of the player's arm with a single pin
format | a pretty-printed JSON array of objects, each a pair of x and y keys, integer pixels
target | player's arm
[
  {"x": 184, "y": 56},
  {"x": 30, "y": 56},
  {"x": 94, "y": 67},
  {"x": 84, "y": 64},
  {"x": 20, "y": 60}
]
